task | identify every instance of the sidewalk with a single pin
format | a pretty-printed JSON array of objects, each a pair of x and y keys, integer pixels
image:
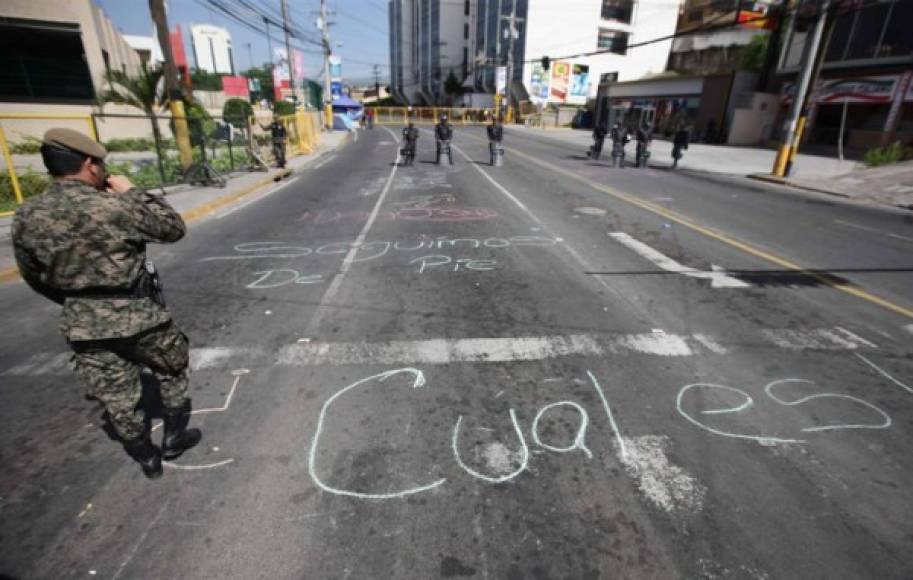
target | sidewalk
[
  {"x": 195, "y": 203},
  {"x": 888, "y": 185},
  {"x": 726, "y": 159},
  {"x": 891, "y": 185}
]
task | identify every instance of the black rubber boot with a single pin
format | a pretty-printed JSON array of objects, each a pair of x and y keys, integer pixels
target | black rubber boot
[
  {"x": 146, "y": 454},
  {"x": 178, "y": 438}
]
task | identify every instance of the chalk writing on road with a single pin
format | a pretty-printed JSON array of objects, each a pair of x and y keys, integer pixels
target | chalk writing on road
[
  {"x": 452, "y": 264},
  {"x": 283, "y": 277},
  {"x": 372, "y": 250},
  {"x": 404, "y": 214},
  {"x": 746, "y": 402},
  {"x": 521, "y": 457}
]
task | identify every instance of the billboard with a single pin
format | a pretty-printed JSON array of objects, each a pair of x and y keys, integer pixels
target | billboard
[
  {"x": 873, "y": 89},
  {"x": 280, "y": 69},
  {"x": 538, "y": 84},
  {"x": 580, "y": 84},
  {"x": 558, "y": 84},
  {"x": 335, "y": 67},
  {"x": 501, "y": 80}
]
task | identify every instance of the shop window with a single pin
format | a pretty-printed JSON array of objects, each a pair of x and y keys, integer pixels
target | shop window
[
  {"x": 869, "y": 26},
  {"x": 43, "y": 62},
  {"x": 897, "y": 38},
  {"x": 620, "y": 10},
  {"x": 840, "y": 37},
  {"x": 613, "y": 41}
]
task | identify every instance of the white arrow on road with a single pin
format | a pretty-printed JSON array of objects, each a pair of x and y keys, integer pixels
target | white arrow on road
[{"x": 717, "y": 276}]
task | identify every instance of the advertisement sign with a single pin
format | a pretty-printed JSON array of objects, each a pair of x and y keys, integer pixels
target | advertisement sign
[
  {"x": 558, "y": 84},
  {"x": 280, "y": 69},
  {"x": 538, "y": 84},
  {"x": 253, "y": 85},
  {"x": 235, "y": 86},
  {"x": 336, "y": 89},
  {"x": 874, "y": 89},
  {"x": 335, "y": 67},
  {"x": 501, "y": 80},
  {"x": 580, "y": 84}
]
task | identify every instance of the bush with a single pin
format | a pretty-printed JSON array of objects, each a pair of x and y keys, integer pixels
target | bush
[
  {"x": 283, "y": 108},
  {"x": 29, "y": 146},
  {"x": 138, "y": 144},
  {"x": 237, "y": 112},
  {"x": 30, "y": 182},
  {"x": 893, "y": 153}
]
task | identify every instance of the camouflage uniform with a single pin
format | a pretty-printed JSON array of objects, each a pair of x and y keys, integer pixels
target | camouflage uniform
[{"x": 86, "y": 249}]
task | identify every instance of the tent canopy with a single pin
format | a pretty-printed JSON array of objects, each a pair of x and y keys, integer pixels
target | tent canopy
[{"x": 346, "y": 102}]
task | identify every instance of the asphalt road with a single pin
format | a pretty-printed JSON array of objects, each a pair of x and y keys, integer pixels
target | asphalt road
[{"x": 549, "y": 369}]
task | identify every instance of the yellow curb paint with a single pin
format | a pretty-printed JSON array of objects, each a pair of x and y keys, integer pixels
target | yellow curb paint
[
  {"x": 6, "y": 213},
  {"x": 725, "y": 238},
  {"x": 208, "y": 208},
  {"x": 9, "y": 275}
]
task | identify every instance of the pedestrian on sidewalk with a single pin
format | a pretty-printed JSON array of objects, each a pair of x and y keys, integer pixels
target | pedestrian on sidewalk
[{"x": 82, "y": 244}]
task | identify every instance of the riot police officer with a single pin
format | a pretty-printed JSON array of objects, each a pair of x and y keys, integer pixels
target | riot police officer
[
  {"x": 620, "y": 137},
  {"x": 495, "y": 136},
  {"x": 410, "y": 139},
  {"x": 443, "y": 133},
  {"x": 82, "y": 244}
]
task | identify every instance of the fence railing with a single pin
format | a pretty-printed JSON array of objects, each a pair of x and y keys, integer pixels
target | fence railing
[{"x": 143, "y": 148}]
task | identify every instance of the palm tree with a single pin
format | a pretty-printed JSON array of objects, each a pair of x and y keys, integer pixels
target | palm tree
[{"x": 146, "y": 92}]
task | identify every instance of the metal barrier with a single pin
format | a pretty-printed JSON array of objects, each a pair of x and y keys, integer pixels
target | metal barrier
[
  {"x": 431, "y": 115},
  {"x": 142, "y": 147}
]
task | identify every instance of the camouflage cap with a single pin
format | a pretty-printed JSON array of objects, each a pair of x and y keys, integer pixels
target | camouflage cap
[{"x": 75, "y": 141}]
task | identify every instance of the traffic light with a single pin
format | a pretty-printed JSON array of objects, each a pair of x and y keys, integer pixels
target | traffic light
[{"x": 545, "y": 63}]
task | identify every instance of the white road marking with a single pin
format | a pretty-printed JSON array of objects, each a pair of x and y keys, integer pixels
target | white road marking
[
  {"x": 718, "y": 277},
  {"x": 815, "y": 339},
  {"x": 873, "y": 230},
  {"x": 445, "y": 351},
  {"x": 325, "y": 161},
  {"x": 312, "y": 352},
  {"x": 349, "y": 259},
  {"x": 622, "y": 448},
  {"x": 884, "y": 373}
]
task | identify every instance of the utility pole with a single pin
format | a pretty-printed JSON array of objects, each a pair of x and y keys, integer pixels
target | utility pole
[
  {"x": 377, "y": 82},
  {"x": 324, "y": 25},
  {"x": 250, "y": 57},
  {"x": 512, "y": 33},
  {"x": 269, "y": 40},
  {"x": 172, "y": 84},
  {"x": 798, "y": 114},
  {"x": 288, "y": 52}
]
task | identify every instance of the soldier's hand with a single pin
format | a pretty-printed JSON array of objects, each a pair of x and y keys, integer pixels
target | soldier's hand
[{"x": 118, "y": 184}]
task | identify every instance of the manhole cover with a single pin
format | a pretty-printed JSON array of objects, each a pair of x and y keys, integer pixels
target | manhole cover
[{"x": 585, "y": 210}]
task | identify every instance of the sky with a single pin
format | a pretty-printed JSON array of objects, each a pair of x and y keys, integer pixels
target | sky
[{"x": 360, "y": 25}]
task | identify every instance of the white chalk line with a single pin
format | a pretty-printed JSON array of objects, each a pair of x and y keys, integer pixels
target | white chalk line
[
  {"x": 524, "y": 453},
  {"x": 324, "y": 162},
  {"x": 768, "y": 389},
  {"x": 349, "y": 259},
  {"x": 132, "y": 552},
  {"x": 257, "y": 198},
  {"x": 579, "y": 438},
  {"x": 417, "y": 382},
  {"x": 623, "y": 452},
  {"x": 884, "y": 373}
]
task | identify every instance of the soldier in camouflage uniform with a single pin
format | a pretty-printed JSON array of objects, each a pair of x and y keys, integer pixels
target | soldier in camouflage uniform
[{"x": 83, "y": 245}]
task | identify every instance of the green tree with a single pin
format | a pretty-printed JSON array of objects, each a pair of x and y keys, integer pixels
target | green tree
[
  {"x": 206, "y": 81},
  {"x": 263, "y": 74},
  {"x": 452, "y": 86},
  {"x": 237, "y": 112},
  {"x": 145, "y": 91},
  {"x": 754, "y": 53},
  {"x": 283, "y": 108}
]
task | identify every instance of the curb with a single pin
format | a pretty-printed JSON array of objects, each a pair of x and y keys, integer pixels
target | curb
[
  {"x": 209, "y": 207},
  {"x": 769, "y": 178}
]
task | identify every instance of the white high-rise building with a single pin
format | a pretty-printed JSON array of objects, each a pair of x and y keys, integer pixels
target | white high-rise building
[
  {"x": 212, "y": 49},
  {"x": 429, "y": 38}
]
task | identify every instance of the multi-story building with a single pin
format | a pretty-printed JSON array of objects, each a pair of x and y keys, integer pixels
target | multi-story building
[
  {"x": 473, "y": 38},
  {"x": 212, "y": 49},
  {"x": 56, "y": 52},
  {"x": 867, "y": 68},
  {"x": 429, "y": 40}
]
